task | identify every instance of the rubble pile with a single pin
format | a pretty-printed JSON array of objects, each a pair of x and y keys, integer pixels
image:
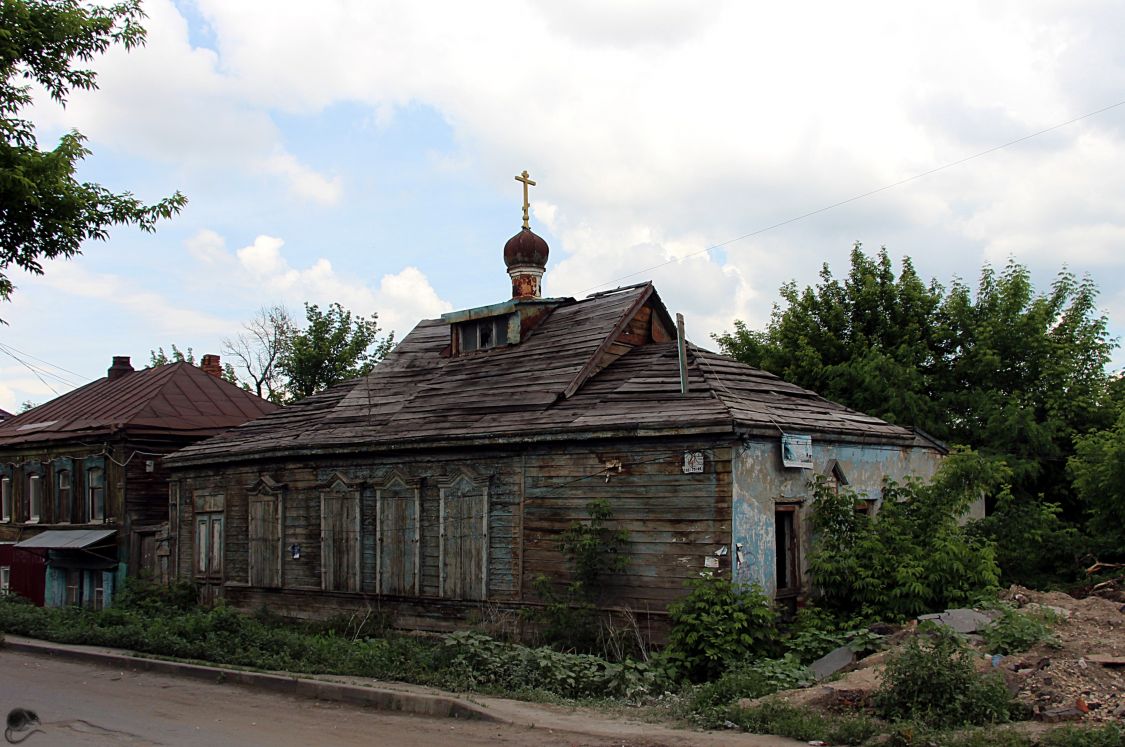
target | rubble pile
[{"x": 1078, "y": 675}]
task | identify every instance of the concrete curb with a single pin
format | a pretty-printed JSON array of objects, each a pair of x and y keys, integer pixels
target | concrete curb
[{"x": 419, "y": 704}]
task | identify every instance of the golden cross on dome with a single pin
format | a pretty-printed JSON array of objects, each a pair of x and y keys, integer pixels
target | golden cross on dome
[{"x": 526, "y": 182}]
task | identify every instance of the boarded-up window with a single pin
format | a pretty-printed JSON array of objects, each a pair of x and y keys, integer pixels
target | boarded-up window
[
  {"x": 264, "y": 525},
  {"x": 209, "y": 545},
  {"x": 398, "y": 511},
  {"x": 64, "y": 501},
  {"x": 339, "y": 537},
  {"x": 464, "y": 538}
]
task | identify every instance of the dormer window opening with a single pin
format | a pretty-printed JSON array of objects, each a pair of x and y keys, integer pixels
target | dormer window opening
[{"x": 482, "y": 334}]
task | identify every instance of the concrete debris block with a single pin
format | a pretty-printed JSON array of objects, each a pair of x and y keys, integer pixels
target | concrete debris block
[
  {"x": 1059, "y": 613},
  {"x": 1060, "y": 713},
  {"x": 1107, "y": 660},
  {"x": 961, "y": 620},
  {"x": 832, "y": 662}
]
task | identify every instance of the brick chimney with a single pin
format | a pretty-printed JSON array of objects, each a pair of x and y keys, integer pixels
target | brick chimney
[
  {"x": 121, "y": 367},
  {"x": 211, "y": 365}
]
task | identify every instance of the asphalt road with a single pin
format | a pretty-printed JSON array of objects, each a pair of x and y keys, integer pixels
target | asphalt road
[{"x": 83, "y": 704}]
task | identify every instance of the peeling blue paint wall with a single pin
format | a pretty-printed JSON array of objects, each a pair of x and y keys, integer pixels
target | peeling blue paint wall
[{"x": 761, "y": 482}]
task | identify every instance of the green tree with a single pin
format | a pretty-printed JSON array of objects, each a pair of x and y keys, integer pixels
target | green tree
[
  {"x": 159, "y": 358},
  {"x": 333, "y": 347},
  {"x": 1010, "y": 372},
  {"x": 915, "y": 557},
  {"x": 1024, "y": 374},
  {"x": 1098, "y": 467},
  {"x": 45, "y": 212},
  {"x": 868, "y": 341}
]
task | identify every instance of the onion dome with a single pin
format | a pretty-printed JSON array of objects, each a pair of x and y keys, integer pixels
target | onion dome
[{"x": 526, "y": 249}]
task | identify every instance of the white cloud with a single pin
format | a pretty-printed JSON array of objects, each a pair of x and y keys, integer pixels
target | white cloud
[
  {"x": 653, "y": 128},
  {"x": 400, "y": 299},
  {"x": 657, "y": 129},
  {"x": 166, "y": 318},
  {"x": 174, "y": 103},
  {"x": 303, "y": 181}
]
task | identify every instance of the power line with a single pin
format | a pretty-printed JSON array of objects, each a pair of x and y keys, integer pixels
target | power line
[
  {"x": 884, "y": 188},
  {"x": 52, "y": 365},
  {"x": 39, "y": 371}
]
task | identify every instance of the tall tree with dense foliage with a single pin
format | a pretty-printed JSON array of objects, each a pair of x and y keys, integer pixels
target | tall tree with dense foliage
[
  {"x": 333, "y": 347},
  {"x": 45, "y": 212},
  {"x": 1098, "y": 467},
  {"x": 868, "y": 341},
  {"x": 1016, "y": 374},
  {"x": 1011, "y": 372}
]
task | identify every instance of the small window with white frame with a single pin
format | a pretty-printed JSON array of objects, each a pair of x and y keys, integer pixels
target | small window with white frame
[
  {"x": 5, "y": 579},
  {"x": 5, "y": 498},
  {"x": 34, "y": 498}
]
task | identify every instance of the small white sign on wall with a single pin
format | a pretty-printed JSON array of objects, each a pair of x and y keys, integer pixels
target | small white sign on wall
[
  {"x": 693, "y": 462},
  {"x": 796, "y": 451}
]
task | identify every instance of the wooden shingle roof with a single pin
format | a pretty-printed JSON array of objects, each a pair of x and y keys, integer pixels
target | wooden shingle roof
[
  {"x": 176, "y": 398},
  {"x": 569, "y": 379}
]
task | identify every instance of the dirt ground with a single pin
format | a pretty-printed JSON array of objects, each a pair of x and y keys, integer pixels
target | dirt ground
[
  {"x": 1079, "y": 669},
  {"x": 1077, "y": 677}
]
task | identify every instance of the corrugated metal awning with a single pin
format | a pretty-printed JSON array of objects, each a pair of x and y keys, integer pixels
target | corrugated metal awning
[{"x": 67, "y": 539}]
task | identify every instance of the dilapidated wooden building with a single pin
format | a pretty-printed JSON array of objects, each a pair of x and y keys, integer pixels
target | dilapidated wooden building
[
  {"x": 439, "y": 484},
  {"x": 83, "y": 489}
]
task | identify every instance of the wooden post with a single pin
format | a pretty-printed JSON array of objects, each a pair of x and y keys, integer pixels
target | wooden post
[{"x": 681, "y": 348}]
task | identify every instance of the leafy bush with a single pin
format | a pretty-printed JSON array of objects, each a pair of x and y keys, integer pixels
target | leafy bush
[
  {"x": 1106, "y": 735},
  {"x": 467, "y": 661},
  {"x": 484, "y": 662},
  {"x": 753, "y": 680},
  {"x": 593, "y": 549},
  {"x": 914, "y": 557},
  {"x": 141, "y": 594},
  {"x": 1014, "y": 632},
  {"x": 785, "y": 720},
  {"x": 717, "y": 624},
  {"x": 815, "y": 631},
  {"x": 1034, "y": 546},
  {"x": 932, "y": 681},
  {"x": 569, "y": 619}
]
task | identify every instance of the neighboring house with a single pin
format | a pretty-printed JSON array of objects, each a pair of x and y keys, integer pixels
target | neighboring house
[
  {"x": 436, "y": 488},
  {"x": 4, "y": 415},
  {"x": 83, "y": 489}
]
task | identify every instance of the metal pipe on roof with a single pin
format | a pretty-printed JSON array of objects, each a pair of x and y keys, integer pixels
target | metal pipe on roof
[{"x": 681, "y": 350}]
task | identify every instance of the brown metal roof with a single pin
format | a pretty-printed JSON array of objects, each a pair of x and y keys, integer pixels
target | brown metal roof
[
  {"x": 549, "y": 386},
  {"x": 176, "y": 398}
]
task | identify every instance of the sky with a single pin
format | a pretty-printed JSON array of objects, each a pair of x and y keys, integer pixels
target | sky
[{"x": 363, "y": 152}]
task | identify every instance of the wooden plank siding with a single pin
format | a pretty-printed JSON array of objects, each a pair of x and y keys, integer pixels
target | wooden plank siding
[
  {"x": 674, "y": 520},
  {"x": 426, "y": 552}
]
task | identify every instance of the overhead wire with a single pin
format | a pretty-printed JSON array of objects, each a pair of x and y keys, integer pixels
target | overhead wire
[{"x": 858, "y": 197}]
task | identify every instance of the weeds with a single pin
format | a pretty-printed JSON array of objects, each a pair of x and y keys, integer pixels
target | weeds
[
  {"x": 931, "y": 681},
  {"x": 1015, "y": 632},
  {"x": 717, "y": 624}
]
